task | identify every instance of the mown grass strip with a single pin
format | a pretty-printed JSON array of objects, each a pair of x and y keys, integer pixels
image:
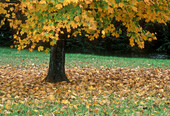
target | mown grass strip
[
  {"x": 112, "y": 107},
  {"x": 12, "y": 57}
]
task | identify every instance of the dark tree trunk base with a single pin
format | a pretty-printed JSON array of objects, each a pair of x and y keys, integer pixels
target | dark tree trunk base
[
  {"x": 56, "y": 71},
  {"x": 57, "y": 78}
]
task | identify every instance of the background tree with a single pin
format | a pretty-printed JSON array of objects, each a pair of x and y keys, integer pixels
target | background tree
[{"x": 53, "y": 21}]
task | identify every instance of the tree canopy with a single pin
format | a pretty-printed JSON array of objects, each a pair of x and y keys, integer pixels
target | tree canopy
[{"x": 45, "y": 20}]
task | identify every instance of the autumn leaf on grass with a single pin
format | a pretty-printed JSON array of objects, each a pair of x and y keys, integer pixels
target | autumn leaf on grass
[
  {"x": 8, "y": 107},
  {"x": 40, "y": 48},
  {"x": 75, "y": 106},
  {"x": 52, "y": 97},
  {"x": 65, "y": 101}
]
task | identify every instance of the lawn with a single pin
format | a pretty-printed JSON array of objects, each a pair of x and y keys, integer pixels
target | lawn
[
  {"x": 25, "y": 58},
  {"x": 100, "y": 85}
]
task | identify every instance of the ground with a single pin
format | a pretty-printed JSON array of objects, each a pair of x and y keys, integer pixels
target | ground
[{"x": 103, "y": 86}]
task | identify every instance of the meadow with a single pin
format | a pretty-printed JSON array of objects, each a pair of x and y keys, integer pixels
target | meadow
[
  {"x": 100, "y": 85},
  {"x": 24, "y": 58}
]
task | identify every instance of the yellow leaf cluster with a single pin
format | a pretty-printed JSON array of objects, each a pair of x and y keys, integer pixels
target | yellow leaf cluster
[
  {"x": 46, "y": 18},
  {"x": 40, "y": 48}
]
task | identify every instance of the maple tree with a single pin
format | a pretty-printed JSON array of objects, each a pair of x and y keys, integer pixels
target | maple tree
[{"x": 52, "y": 21}]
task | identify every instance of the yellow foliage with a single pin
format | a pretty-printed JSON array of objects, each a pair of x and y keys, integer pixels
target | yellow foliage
[
  {"x": 40, "y": 48},
  {"x": 44, "y": 17},
  {"x": 59, "y": 6},
  {"x": 77, "y": 19}
]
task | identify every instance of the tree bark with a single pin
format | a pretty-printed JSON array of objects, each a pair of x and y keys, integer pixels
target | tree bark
[{"x": 56, "y": 71}]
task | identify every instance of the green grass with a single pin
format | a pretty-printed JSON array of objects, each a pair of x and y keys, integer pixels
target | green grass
[
  {"x": 10, "y": 56},
  {"x": 24, "y": 57},
  {"x": 120, "y": 107},
  {"x": 110, "y": 106}
]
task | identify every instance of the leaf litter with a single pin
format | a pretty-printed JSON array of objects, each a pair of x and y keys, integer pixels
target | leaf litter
[{"x": 92, "y": 86}]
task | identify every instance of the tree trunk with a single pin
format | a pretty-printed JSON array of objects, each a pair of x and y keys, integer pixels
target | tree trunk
[{"x": 56, "y": 71}]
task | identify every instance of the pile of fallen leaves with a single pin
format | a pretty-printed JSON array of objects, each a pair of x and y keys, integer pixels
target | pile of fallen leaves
[{"x": 21, "y": 83}]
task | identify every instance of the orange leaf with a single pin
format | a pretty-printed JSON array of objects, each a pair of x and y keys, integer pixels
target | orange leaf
[
  {"x": 77, "y": 19},
  {"x": 59, "y": 6},
  {"x": 7, "y": 15},
  {"x": 40, "y": 48},
  {"x": 52, "y": 97},
  {"x": 134, "y": 9},
  {"x": 7, "y": 107}
]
